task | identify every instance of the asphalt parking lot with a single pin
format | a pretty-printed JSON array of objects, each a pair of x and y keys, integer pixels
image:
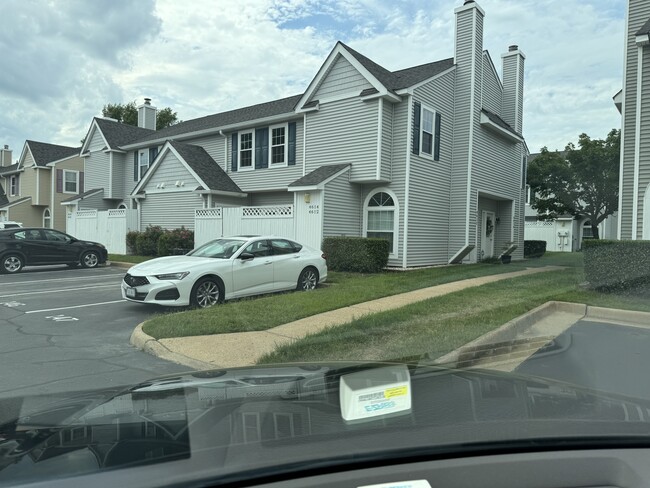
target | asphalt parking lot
[{"x": 65, "y": 329}]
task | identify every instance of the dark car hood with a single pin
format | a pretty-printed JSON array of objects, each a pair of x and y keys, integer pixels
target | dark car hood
[{"x": 260, "y": 417}]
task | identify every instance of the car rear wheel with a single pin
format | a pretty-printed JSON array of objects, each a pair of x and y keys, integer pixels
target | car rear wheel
[
  {"x": 206, "y": 293},
  {"x": 12, "y": 263},
  {"x": 308, "y": 279},
  {"x": 90, "y": 259}
]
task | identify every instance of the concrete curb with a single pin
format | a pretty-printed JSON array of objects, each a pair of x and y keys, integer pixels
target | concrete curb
[
  {"x": 150, "y": 345},
  {"x": 510, "y": 330},
  {"x": 630, "y": 317},
  {"x": 119, "y": 264}
]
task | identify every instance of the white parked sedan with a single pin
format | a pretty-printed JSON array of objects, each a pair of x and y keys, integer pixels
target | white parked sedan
[{"x": 226, "y": 268}]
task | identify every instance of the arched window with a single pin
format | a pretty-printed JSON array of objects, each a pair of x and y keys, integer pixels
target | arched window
[
  {"x": 381, "y": 217},
  {"x": 121, "y": 206},
  {"x": 587, "y": 231},
  {"x": 47, "y": 219}
]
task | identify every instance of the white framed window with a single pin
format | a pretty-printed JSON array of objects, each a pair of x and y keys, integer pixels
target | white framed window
[
  {"x": 14, "y": 189},
  {"x": 70, "y": 181},
  {"x": 252, "y": 427},
  {"x": 47, "y": 219},
  {"x": 283, "y": 425},
  {"x": 143, "y": 162},
  {"x": 426, "y": 128},
  {"x": 279, "y": 152},
  {"x": 246, "y": 149},
  {"x": 381, "y": 217}
]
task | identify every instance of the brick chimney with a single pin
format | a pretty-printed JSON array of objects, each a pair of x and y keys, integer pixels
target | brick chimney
[
  {"x": 5, "y": 156},
  {"x": 513, "y": 87},
  {"x": 147, "y": 115}
]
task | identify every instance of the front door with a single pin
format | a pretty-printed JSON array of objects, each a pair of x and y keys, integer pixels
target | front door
[{"x": 487, "y": 235}]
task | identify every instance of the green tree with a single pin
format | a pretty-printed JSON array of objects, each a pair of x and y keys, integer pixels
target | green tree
[
  {"x": 582, "y": 182},
  {"x": 127, "y": 113}
]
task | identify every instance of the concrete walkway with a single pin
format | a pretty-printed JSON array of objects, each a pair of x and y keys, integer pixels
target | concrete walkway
[{"x": 246, "y": 348}]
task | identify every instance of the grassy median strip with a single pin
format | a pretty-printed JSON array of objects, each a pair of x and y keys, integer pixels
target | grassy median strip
[
  {"x": 439, "y": 325},
  {"x": 127, "y": 258},
  {"x": 341, "y": 290}
]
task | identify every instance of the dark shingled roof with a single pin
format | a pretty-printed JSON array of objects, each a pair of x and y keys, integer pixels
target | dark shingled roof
[
  {"x": 645, "y": 29},
  {"x": 46, "y": 153},
  {"x": 501, "y": 123},
  {"x": 205, "y": 167},
  {"x": 8, "y": 169},
  {"x": 118, "y": 134},
  {"x": 83, "y": 195},
  {"x": 404, "y": 78},
  {"x": 319, "y": 175},
  {"x": 16, "y": 202},
  {"x": 261, "y": 110},
  {"x": 3, "y": 197}
]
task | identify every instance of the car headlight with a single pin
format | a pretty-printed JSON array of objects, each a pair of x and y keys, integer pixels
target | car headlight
[{"x": 172, "y": 276}]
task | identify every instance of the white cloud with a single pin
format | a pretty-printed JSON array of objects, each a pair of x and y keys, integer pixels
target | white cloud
[{"x": 64, "y": 61}]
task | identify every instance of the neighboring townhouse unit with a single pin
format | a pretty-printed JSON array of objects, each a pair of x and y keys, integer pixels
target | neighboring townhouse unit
[
  {"x": 44, "y": 176},
  {"x": 429, "y": 157},
  {"x": 634, "y": 186}
]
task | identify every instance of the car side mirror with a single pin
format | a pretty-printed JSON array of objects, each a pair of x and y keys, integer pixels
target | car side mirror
[{"x": 246, "y": 256}]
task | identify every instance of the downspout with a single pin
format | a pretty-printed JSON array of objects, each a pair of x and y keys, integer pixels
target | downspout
[
  {"x": 52, "y": 182},
  {"x": 409, "y": 142},
  {"x": 225, "y": 151}
]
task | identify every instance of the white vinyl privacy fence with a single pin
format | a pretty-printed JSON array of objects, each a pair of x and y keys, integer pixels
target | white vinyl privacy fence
[
  {"x": 558, "y": 237},
  {"x": 212, "y": 223},
  {"x": 107, "y": 227}
]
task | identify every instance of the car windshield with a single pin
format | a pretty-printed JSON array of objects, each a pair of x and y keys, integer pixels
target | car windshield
[
  {"x": 220, "y": 248},
  {"x": 274, "y": 242}
]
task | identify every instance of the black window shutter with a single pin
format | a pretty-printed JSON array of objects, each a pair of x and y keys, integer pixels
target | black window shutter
[
  {"x": 416, "y": 128},
  {"x": 436, "y": 144},
  {"x": 262, "y": 148},
  {"x": 135, "y": 166},
  {"x": 153, "y": 152},
  {"x": 292, "y": 144},
  {"x": 233, "y": 152},
  {"x": 81, "y": 182},
  {"x": 59, "y": 181}
]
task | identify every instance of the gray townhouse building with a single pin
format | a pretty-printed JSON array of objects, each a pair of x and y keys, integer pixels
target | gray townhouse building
[
  {"x": 632, "y": 101},
  {"x": 430, "y": 157}
]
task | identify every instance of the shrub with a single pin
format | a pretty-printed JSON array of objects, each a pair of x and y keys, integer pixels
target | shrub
[
  {"x": 357, "y": 254},
  {"x": 616, "y": 265},
  {"x": 130, "y": 241},
  {"x": 146, "y": 243},
  {"x": 177, "y": 241},
  {"x": 534, "y": 249}
]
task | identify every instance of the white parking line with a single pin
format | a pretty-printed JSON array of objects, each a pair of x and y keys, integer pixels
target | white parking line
[
  {"x": 111, "y": 275},
  {"x": 76, "y": 306},
  {"x": 113, "y": 285}
]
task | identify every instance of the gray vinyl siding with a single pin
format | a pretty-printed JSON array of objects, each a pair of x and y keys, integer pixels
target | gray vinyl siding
[
  {"x": 342, "y": 78},
  {"x": 492, "y": 90},
  {"x": 119, "y": 170},
  {"x": 271, "y": 198},
  {"x": 224, "y": 201},
  {"x": 96, "y": 142},
  {"x": 129, "y": 182},
  {"x": 507, "y": 228},
  {"x": 342, "y": 208},
  {"x": 344, "y": 131},
  {"x": 169, "y": 171},
  {"x": 170, "y": 210},
  {"x": 429, "y": 183},
  {"x": 96, "y": 202},
  {"x": 638, "y": 14},
  {"x": 386, "y": 141},
  {"x": 644, "y": 153},
  {"x": 28, "y": 162},
  {"x": 508, "y": 105},
  {"x": 264, "y": 179},
  {"x": 214, "y": 145},
  {"x": 96, "y": 171},
  {"x": 465, "y": 54}
]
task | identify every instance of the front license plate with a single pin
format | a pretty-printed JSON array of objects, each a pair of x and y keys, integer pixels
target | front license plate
[{"x": 130, "y": 292}]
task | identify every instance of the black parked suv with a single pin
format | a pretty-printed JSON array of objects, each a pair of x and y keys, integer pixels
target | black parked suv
[{"x": 34, "y": 246}]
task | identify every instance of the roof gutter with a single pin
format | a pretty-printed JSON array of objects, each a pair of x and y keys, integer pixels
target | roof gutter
[{"x": 223, "y": 193}]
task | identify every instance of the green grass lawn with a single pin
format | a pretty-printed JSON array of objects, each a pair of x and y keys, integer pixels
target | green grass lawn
[
  {"x": 341, "y": 290},
  {"x": 439, "y": 325}
]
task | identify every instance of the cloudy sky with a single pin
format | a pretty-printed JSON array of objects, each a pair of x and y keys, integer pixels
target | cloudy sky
[{"x": 63, "y": 60}]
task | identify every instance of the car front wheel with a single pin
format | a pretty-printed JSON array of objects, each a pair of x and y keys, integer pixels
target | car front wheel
[
  {"x": 206, "y": 293},
  {"x": 308, "y": 279},
  {"x": 12, "y": 263},
  {"x": 90, "y": 259}
]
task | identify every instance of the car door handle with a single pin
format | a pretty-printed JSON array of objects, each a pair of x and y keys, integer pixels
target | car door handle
[{"x": 267, "y": 262}]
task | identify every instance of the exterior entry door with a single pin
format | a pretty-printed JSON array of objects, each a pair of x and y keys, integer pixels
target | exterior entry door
[{"x": 487, "y": 235}]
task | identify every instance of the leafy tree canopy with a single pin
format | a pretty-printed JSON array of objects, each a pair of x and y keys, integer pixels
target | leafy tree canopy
[
  {"x": 582, "y": 181},
  {"x": 127, "y": 113}
]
